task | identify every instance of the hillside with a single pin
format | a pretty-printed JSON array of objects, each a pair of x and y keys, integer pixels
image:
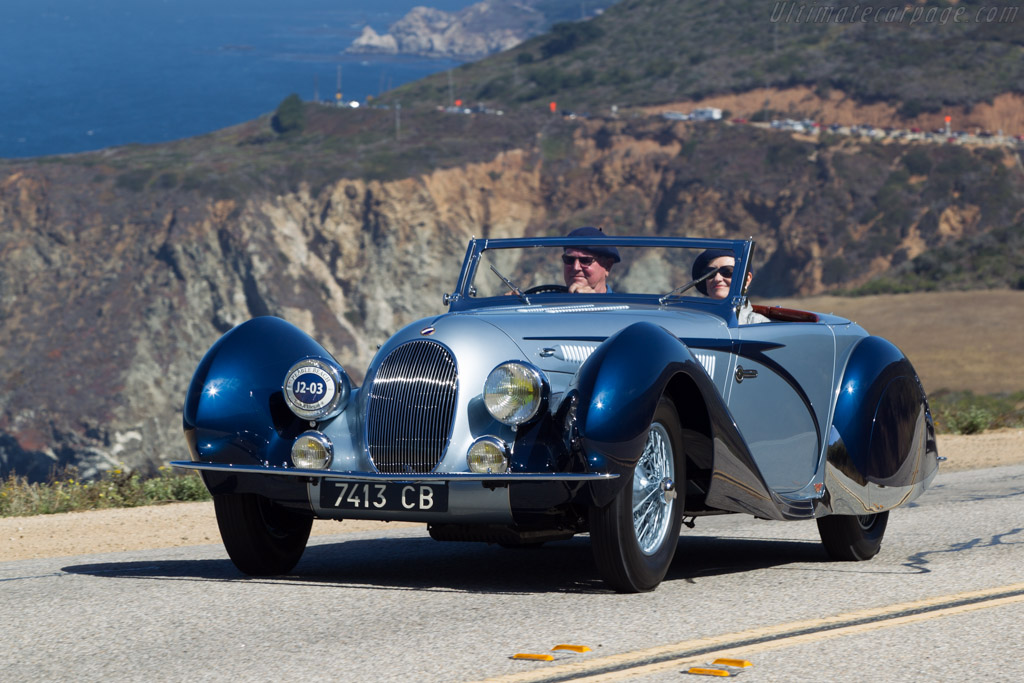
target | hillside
[
  {"x": 648, "y": 52},
  {"x": 122, "y": 266}
]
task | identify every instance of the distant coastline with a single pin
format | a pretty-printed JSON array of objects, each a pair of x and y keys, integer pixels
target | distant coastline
[{"x": 205, "y": 66}]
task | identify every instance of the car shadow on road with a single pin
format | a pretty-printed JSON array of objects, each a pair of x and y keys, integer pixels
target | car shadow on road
[{"x": 425, "y": 565}]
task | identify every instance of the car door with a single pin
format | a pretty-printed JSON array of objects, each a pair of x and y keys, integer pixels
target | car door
[{"x": 780, "y": 394}]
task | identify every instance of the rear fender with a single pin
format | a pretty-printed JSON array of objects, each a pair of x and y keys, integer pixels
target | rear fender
[{"x": 882, "y": 449}]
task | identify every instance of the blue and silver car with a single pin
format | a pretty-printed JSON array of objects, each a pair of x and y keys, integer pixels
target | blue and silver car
[{"x": 528, "y": 414}]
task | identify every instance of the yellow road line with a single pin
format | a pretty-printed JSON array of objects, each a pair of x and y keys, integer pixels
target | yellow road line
[{"x": 743, "y": 643}]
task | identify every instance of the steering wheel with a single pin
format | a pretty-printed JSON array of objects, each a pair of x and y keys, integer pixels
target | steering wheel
[{"x": 547, "y": 289}]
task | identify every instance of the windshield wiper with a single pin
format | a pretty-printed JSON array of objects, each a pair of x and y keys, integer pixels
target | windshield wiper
[
  {"x": 678, "y": 291},
  {"x": 508, "y": 283}
]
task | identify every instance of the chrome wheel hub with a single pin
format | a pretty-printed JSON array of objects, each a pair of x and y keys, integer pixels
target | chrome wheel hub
[{"x": 654, "y": 491}]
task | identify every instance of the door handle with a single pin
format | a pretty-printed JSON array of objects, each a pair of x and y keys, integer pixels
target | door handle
[{"x": 742, "y": 374}]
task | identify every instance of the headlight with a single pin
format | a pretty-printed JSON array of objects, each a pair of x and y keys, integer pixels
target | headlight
[
  {"x": 488, "y": 454},
  {"x": 312, "y": 451},
  {"x": 514, "y": 392},
  {"x": 316, "y": 389}
]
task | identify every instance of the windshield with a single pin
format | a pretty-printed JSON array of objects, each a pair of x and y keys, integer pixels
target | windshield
[{"x": 654, "y": 271}]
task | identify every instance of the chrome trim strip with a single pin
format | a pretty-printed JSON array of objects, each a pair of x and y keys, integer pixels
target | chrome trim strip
[
  {"x": 425, "y": 478},
  {"x": 574, "y": 353},
  {"x": 582, "y": 308},
  {"x": 708, "y": 361}
]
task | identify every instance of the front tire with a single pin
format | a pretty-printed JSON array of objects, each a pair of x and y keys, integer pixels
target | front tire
[
  {"x": 261, "y": 537},
  {"x": 851, "y": 538},
  {"x": 634, "y": 537}
]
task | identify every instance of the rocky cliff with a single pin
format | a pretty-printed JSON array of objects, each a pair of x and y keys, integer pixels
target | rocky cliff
[
  {"x": 478, "y": 30},
  {"x": 433, "y": 33},
  {"x": 111, "y": 292}
]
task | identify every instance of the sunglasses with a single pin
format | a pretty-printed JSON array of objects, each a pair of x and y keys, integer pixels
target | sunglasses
[
  {"x": 585, "y": 261},
  {"x": 724, "y": 271}
]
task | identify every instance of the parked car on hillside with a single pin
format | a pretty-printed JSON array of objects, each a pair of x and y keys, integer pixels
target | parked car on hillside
[{"x": 526, "y": 414}]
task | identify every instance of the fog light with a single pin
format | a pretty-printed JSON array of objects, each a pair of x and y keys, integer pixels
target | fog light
[
  {"x": 312, "y": 451},
  {"x": 488, "y": 454}
]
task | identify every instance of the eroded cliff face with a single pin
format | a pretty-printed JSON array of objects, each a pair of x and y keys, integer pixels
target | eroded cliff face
[
  {"x": 109, "y": 300},
  {"x": 109, "y": 297},
  {"x": 475, "y": 31}
]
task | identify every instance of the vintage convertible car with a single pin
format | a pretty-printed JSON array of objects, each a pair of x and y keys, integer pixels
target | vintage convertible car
[{"x": 527, "y": 414}]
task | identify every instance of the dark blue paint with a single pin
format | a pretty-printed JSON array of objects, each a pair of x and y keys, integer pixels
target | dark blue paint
[
  {"x": 309, "y": 387},
  {"x": 234, "y": 411},
  {"x": 878, "y": 404},
  {"x": 620, "y": 386}
]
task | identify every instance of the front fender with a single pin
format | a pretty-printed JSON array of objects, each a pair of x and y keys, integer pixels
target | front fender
[
  {"x": 619, "y": 387},
  {"x": 234, "y": 410}
]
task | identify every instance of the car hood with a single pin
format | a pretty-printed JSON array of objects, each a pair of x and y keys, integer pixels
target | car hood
[{"x": 556, "y": 338}]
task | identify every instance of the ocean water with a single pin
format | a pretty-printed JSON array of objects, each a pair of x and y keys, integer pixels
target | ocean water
[{"x": 78, "y": 75}]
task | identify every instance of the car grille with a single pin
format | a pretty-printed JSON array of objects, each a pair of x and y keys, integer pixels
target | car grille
[{"x": 411, "y": 408}]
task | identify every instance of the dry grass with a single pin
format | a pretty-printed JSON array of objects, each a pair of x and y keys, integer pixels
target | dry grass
[
  {"x": 961, "y": 341},
  {"x": 66, "y": 492}
]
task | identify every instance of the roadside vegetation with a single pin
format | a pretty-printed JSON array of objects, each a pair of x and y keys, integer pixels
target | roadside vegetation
[
  {"x": 963, "y": 412},
  {"x": 65, "y": 491}
]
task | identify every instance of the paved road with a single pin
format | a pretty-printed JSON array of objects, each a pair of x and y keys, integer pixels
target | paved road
[{"x": 405, "y": 608}]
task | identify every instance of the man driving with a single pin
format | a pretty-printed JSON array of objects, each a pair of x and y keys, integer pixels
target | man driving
[{"x": 586, "y": 269}]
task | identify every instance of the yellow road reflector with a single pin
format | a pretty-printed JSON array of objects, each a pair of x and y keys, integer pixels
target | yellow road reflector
[
  {"x": 738, "y": 663},
  {"x": 703, "y": 671},
  {"x": 540, "y": 658},
  {"x": 571, "y": 648}
]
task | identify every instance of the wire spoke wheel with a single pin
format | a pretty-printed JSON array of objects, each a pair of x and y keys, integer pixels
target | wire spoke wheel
[
  {"x": 634, "y": 537},
  {"x": 652, "y": 510}
]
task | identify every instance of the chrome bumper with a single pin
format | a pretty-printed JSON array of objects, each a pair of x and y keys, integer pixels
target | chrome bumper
[{"x": 435, "y": 477}]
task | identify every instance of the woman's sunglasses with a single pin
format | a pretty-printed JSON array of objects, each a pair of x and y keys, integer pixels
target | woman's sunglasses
[
  {"x": 724, "y": 271},
  {"x": 584, "y": 260}
]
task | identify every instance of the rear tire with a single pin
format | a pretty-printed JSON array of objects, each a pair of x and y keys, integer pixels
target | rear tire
[
  {"x": 851, "y": 538},
  {"x": 634, "y": 537},
  {"x": 261, "y": 537}
]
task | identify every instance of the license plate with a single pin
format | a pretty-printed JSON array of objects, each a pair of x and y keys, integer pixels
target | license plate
[{"x": 362, "y": 495}]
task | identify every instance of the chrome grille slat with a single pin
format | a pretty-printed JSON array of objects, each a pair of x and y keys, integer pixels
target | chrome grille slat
[{"x": 411, "y": 408}]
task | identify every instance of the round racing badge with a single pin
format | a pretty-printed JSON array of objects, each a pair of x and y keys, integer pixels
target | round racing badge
[{"x": 315, "y": 389}]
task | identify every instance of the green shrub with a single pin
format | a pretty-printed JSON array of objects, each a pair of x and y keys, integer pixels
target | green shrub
[
  {"x": 917, "y": 161},
  {"x": 972, "y": 420},
  {"x": 568, "y": 36},
  {"x": 135, "y": 180},
  {"x": 963, "y": 412},
  {"x": 290, "y": 116}
]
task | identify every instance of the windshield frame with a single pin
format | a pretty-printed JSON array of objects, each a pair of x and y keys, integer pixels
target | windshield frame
[{"x": 463, "y": 300}]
